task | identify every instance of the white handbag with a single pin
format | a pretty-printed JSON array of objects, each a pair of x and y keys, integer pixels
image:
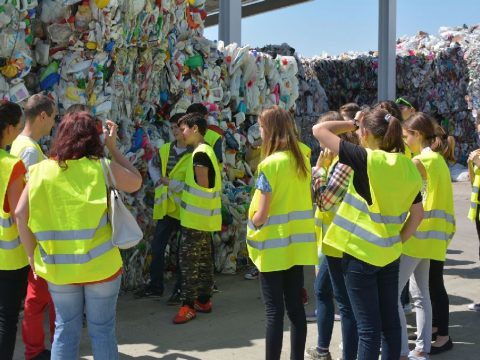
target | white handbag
[{"x": 125, "y": 230}]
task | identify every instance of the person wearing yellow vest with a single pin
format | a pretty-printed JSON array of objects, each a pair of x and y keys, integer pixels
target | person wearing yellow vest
[
  {"x": 167, "y": 170},
  {"x": 63, "y": 224},
  {"x": 13, "y": 258},
  {"x": 211, "y": 137},
  {"x": 474, "y": 211},
  {"x": 428, "y": 246},
  {"x": 281, "y": 230},
  {"x": 200, "y": 214},
  {"x": 382, "y": 208},
  {"x": 40, "y": 112},
  {"x": 331, "y": 179}
]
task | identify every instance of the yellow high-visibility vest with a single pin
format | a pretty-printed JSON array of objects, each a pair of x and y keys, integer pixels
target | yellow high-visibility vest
[
  {"x": 68, "y": 216},
  {"x": 200, "y": 207},
  {"x": 288, "y": 236},
  {"x": 21, "y": 143},
  {"x": 12, "y": 252},
  {"x": 371, "y": 233},
  {"x": 474, "y": 200},
  {"x": 436, "y": 230},
  {"x": 169, "y": 203},
  {"x": 211, "y": 137}
]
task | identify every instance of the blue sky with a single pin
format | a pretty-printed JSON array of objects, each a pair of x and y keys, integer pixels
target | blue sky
[{"x": 336, "y": 26}]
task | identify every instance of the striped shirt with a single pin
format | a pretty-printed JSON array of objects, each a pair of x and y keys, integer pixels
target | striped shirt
[{"x": 331, "y": 191}]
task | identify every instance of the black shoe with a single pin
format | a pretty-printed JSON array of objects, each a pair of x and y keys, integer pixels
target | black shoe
[
  {"x": 174, "y": 299},
  {"x": 148, "y": 291},
  {"x": 44, "y": 355},
  {"x": 440, "y": 349}
]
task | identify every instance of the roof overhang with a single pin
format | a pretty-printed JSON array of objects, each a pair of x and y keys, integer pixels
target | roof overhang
[{"x": 249, "y": 8}]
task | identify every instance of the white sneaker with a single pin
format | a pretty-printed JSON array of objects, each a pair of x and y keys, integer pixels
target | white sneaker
[
  {"x": 474, "y": 307},
  {"x": 413, "y": 356}
]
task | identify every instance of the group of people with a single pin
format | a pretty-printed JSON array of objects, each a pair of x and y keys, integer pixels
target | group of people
[
  {"x": 55, "y": 236},
  {"x": 384, "y": 215}
]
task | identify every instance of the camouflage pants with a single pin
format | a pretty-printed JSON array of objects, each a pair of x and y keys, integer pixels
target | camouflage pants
[{"x": 196, "y": 264}]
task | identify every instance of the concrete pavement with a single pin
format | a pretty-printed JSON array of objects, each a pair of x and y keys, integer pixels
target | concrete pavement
[{"x": 235, "y": 329}]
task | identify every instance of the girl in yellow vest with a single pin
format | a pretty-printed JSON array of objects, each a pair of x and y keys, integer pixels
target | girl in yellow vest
[
  {"x": 200, "y": 214},
  {"x": 474, "y": 212},
  {"x": 425, "y": 251},
  {"x": 280, "y": 232},
  {"x": 371, "y": 224},
  {"x": 13, "y": 259},
  {"x": 63, "y": 224}
]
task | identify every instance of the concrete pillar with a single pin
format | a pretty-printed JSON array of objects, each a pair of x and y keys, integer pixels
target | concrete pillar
[
  {"x": 230, "y": 21},
  {"x": 387, "y": 24}
]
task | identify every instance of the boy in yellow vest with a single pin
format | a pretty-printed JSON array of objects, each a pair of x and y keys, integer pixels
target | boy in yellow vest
[
  {"x": 200, "y": 214},
  {"x": 40, "y": 112},
  {"x": 167, "y": 170}
]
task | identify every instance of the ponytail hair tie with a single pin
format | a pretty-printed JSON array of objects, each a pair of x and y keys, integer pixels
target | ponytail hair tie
[{"x": 388, "y": 117}]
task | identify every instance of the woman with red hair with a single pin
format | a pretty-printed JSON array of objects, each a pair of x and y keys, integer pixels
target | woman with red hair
[{"x": 63, "y": 224}]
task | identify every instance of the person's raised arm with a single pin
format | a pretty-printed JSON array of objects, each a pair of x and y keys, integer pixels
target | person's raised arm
[
  {"x": 327, "y": 133},
  {"x": 127, "y": 177}
]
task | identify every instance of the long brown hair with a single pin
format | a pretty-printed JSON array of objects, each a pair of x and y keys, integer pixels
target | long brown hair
[
  {"x": 433, "y": 134},
  {"x": 386, "y": 129},
  {"x": 337, "y": 116},
  {"x": 279, "y": 135},
  {"x": 77, "y": 137},
  {"x": 391, "y": 107}
]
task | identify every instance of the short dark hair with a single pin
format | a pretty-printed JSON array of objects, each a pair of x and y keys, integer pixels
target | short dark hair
[
  {"x": 174, "y": 119},
  {"x": 77, "y": 108},
  {"x": 349, "y": 110},
  {"x": 197, "y": 108},
  {"x": 37, "y": 104},
  {"x": 194, "y": 119},
  {"x": 10, "y": 114}
]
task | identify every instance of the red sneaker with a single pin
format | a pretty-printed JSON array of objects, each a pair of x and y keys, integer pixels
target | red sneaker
[
  {"x": 185, "y": 314},
  {"x": 304, "y": 296},
  {"x": 203, "y": 308}
]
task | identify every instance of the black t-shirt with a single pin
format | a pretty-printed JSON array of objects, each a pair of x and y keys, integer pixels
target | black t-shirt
[
  {"x": 355, "y": 156},
  {"x": 202, "y": 159}
]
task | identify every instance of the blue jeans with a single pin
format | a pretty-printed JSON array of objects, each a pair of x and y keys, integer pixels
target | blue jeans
[
  {"x": 325, "y": 308},
  {"x": 100, "y": 302},
  {"x": 163, "y": 232},
  {"x": 347, "y": 318},
  {"x": 373, "y": 293}
]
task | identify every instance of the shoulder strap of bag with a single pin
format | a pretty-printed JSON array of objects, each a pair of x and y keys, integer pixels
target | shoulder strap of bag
[{"x": 107, "y": 172}]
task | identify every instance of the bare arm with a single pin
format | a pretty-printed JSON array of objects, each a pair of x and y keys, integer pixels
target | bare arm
[
  {"x": 22, "y": 213},
  {"x": 128, "y": 178},
  {"x": 261, "y": 216},
  {"x": 420, "y": 168},
  {"x": 201, "y": 175},
  {"x": 327, "y": 133},
  {"x": 413, "y": 221}
]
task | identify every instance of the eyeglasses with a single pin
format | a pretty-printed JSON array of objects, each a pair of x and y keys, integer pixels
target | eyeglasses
[{"x": 402, "y": 101}]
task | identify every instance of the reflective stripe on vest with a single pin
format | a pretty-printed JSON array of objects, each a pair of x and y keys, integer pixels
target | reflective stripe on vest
[
  {"x": 284, "y": 218},
  {"x": 201, "y": 193},
  {"x": 439, "y": 214},
  {"x": 6, "y": 223},
  {"x": 282, "y": 242},
  {"x": 71, "y": 234},
  {"x": 10, "y": 245},
  {"x": 473, "y": 203},
  {"x": 161, "y": 199},
  {"x": 75, "y": 259},
  {"x": 365, "y": 234},
  {"x": 376, "y": 217},
  {"x": 198, "y": 210}
]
